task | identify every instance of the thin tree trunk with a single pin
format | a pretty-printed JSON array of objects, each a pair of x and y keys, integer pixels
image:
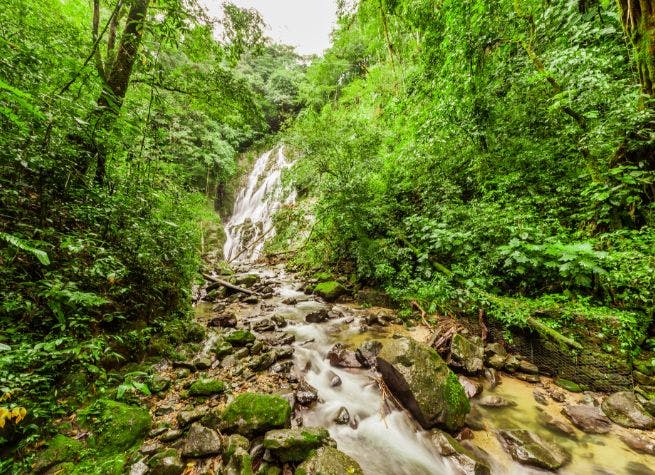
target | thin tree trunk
[{"x": 638, "y": 18}]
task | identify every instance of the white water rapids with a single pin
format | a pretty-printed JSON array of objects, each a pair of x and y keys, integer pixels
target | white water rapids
[{"x": 251, "y": 222}]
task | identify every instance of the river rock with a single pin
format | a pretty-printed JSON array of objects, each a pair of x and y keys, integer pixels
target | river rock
[
  {"x": 202, "y": 363},
  {"x": 329, "y": 461},
  {"x": 497, "y": 361},
  {"x": 343, "y": 416},
  {"x": 264, "y": 325},
  {"x": 540, "y": 397},
  {"x": 528, "y": 378},
  {"x": 467, "y": 353},
  {"x": 494, "y": 349},
  {"x": 526, "y": 367},
  {"x": 588, "y": 419},
  {"x": 330, "y": 291},
  {"x": 495, "y": 401},
  {"x": 557, "y": 426},
  {"x": 306, "y": 393},
  {"x": 492, "y": 377},
  {"x": 639, "y": 444},
  {"x": 624, "y": 409},
  {"x": 511, "y": 363},
  {"x": 319, "y": 316},
  {"x": 245, "y": 280},
  {"x": 167, "y": 462},
  {"x": 367, "y": 353},
  {"x": 334, "y": 379},
  {"x": 252, "y": 413},
  {"x": 222, "y": 348},
  {"x": 471, "y": 387},
  {"x": 239, "y": 337},
  {"x": 464, "y": 459},
  {"x": 226, "y": 320},
  {"x": 263, "y": 361},
  {"x": 171, "y": 435},
  {"x": 279, "y": 321},
  {"x": 206, "y": 387},
  {"x": 342, "y": 358},
  {"x": 295, "y": 445},
  {"x": 423, "y": 383},
  {"x": 184, "y": 418},
  {"x": 530, "y": 449},
  {"x": 201, "y": 441},
  {"x": 278, "y": 338}
]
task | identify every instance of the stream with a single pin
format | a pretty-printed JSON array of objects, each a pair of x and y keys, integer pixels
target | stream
[{"x": 383, "y": 437}]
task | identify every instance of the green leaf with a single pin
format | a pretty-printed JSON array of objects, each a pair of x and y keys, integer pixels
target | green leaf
[{"x": 42, "y": 256}]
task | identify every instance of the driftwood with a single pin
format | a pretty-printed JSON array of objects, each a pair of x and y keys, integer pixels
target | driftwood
[{"x": 227, "y": 284}]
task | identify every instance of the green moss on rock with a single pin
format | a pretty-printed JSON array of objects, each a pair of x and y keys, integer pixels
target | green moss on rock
[
  {"x": 239, "y": 337},
  {"x": 568, "y": 385},
  {"x": 116, "y": 426},
  {"x": 60, "y": 449},
  {"x": 330, "y": 290},
  {"x": 329, "y": 461},
  {"x": 206, "y": 387},
  {"x": 251, "y": 413},
  {"x": 294, "y": 445}
]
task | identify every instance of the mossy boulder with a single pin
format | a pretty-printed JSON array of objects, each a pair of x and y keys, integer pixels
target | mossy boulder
[
  {"x": 236, "y": 455},
  {"x": 245, "y": 280},
  {"x": 530, "y": 449},
  {"x": 167, "y": 462},
  {"x": 223, "y": 348},
  {"x": 330, "y": 290},
  {"x": 116, "y": 426},
  {"x": 624, "y": 409},
  {"x": 467, "y": 353},
  {"x": 206, "y": 387},
  {"x": 423, "y": 383},
  {"x": 329, "y": 461},
  {"x": 463, "y": 458},
  {"x": 252, "y": 413},
  {"x": 239, "y": 337},
  {"x": 59, "y": 449},
  {"x": 295, "y": 445}
]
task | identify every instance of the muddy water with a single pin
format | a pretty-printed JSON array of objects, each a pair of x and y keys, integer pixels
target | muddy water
[{"x": 385, "y": 438}]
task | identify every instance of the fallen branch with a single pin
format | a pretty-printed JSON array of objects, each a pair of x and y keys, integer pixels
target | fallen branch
[
  {"x": 227, "y": 284},
  {"x": 549, "y": 332},
  {"x": 416, "y": 305}
]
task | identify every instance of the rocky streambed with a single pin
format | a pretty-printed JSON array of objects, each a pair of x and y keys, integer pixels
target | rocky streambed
[{"x": 285, "y": 382}]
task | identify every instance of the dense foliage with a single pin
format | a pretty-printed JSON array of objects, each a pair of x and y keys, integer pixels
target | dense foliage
[
  {"x": 484, "y": 154},
  {"x": 104, "y": 179}
]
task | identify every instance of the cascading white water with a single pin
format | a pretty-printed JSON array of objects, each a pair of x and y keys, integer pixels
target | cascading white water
[{"x": 251, "y": 222}]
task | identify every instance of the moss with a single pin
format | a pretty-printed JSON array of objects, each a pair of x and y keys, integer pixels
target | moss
[
  {"x": 568, "y": 385},
  {"x": 294, "y": 445},
  {"x": 223, "y": 348},
  {"x": 116, "y": 426},
  {"x": 206, "y": 387},
  {"x": 323, "y": 276},
  {"x": 330, "y": 290},
  {"x": 60, "y": 449},
  {"x": 458, "y": 403},
  {"x": 239, "y": 337},
  {"x": 252, "y": 413},
  {"x": 329, "y": 461}
]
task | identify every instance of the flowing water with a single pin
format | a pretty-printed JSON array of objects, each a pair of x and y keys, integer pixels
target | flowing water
[
  {"x": 385, "y": 439},
  {"x": 251, "y": 222}
]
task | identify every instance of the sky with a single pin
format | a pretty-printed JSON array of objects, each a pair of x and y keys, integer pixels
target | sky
[{"x": 305, "y": 24}]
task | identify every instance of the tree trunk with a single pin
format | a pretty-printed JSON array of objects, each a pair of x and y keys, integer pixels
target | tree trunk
[
  {"x": 118, "y": 74},
  {"x": 638, "y": 21}
]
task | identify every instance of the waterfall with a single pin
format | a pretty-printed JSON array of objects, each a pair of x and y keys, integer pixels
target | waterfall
[{"x": 251, "y": 223}]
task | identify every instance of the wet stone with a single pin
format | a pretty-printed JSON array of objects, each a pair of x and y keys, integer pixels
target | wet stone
[
  {"x": 341, "y": 357},
  {"x": 471, "y": 388},
  {"x": 319, "y": 316},
  {"x": 343, "y": 416},
  {"x": 367, "y": 353},
  {"x": 624, "y": 409},
  {"x": 264, "y": 325},
  {"x": 171, "y": 435},
  {"x": 306, "y": 394},
  {"x": 540, "y": 396},
  {"x": 526, "y": 367},
  {"x": 639, "y": 444},
  {"x": 201, "y": 441},
  {"x": 468, "y": 353},
  {"x": 497, "y": 361},
  {"x": 334, "y": 379},
  {"x": 494, "y": 401},
  {"x": 556, "y": 426},
  {"x": 227, "y": 320},
  {"x": 279, "y": 321},
  {"x": 528, "y": 378},
  {"x": 588, "y": 419},
  {"x": 530, "y": 449}
]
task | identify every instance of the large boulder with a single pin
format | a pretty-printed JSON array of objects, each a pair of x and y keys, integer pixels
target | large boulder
[
  {"x": 530, "y": 449},
  {"x": 467, "y": 353},
  {"x": 330, "y": 290},
  {"x": 329, "y": 461},
  {"x": 116, "y": 426},
  {"x": 624, "y": 409},
  {"x": 588, "y": 419},
  {"x": 201, "y": 442},
  {"x": 252, "y": 413},
  {"x": 423, "y": 383},
  {"x": 295, "y": 445}
]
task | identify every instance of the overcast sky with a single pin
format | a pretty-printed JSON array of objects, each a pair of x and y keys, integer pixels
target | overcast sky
[{"x": 305, "y": 24}]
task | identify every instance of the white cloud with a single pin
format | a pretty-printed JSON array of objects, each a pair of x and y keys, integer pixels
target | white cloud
[{"x": 305, "y": 24}]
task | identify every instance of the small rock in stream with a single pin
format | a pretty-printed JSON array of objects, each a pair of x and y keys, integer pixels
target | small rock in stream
[
  {"x": 319, "y": 316},
  {"x": 528, "y": 378},
  {"x": 334, "y": 379},
  {"x": 367, "y": 353},
  {"x": 491, "y": 375},
  {"x": 472, "y": 388},
  {"x": 343, "y": 416},
  {"x": 494, "y": 401},
  {"x": 639, "y": 444},
  {"x": 227, "y": 320},
  {"x": 279, "y": 321},
  {"x": 251, "y": 299},
  {"x": 556, "y": 426},
  {"x": 540, "y": 396},
  {"x": 341, "y": 357},
  {"x": 290, "y": 301},
  {"x": 624, "y": 409},
  {"x": 264, "y": 325},
  {"x": 306, "y": 393}
]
